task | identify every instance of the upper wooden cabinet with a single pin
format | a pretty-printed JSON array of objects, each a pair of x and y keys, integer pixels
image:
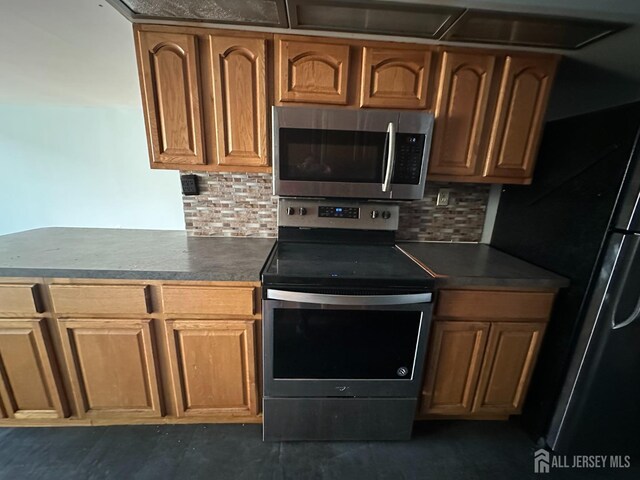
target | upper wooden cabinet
[
  {"x": 461, "y": 111},
  {"x": 312, "y": 71},
  {"x": 170, "y": 77},
  {"x": 489, "y": 116},
  {"x": 517, "y": 125},
  {"x": 395, "y": 78},
  {"x": 205, "y": 98},
  {"x": 240, "y": 102}
]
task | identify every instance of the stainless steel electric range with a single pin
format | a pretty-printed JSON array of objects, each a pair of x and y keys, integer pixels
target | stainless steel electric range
[{"x": 346, "y": 320}]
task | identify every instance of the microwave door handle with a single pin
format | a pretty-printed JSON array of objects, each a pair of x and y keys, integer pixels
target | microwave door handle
[{"x": 391, "y": 156}]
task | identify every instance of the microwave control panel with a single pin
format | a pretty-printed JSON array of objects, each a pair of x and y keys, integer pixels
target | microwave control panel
[
  {"x": 409, "y": 153},
  {"x": 311, "y": 213}
]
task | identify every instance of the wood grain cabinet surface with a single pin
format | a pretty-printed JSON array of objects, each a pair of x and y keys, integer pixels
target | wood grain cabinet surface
[
  {"x": 170, "y": 80},
  {"x": 489, "y": 116},
  {"x": 455, "y": 355},
  {"x": 112, "y": 367},
  {"x": 483, "y": 349},
  {"x": 30, "y": 385},
  {"x": 395, "y": 78},
  {"x": 312, "y": 71},
  {"x": 20, "y": 298},
  {"x": 213, "y": 366},
  {"x": 508, "y": 364},
  {"x": 517, "y": 126},
  {"x": 240, "y": 101},
  {"x": 461, "y": 113}
]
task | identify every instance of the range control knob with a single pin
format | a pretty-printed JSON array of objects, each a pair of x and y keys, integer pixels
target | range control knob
[
  {"x": 374, "y": 213},
  {"x": 302, "y": 211},
  {"x": 386, "y": 215},
  {"x": 291, "y": 211}
]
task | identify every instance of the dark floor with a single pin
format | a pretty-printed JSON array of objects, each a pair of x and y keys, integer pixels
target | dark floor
[{"x": 439, "y": 450}]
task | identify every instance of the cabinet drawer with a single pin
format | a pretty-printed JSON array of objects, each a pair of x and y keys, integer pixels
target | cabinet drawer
[
  {"x": 20, "y": 299},
  {"x": 208, "y": 300},
  {"x": 100, "y": 299},
  {"x": 491, "y": 304}
]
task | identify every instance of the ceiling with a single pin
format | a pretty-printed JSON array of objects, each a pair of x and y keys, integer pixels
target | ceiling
[{"x": 81, "y": 52}]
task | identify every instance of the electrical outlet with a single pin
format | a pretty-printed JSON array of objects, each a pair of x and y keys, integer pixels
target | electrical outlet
[
  {"x": 189, "y": 184},
  {"x": 443, "y": 197}
]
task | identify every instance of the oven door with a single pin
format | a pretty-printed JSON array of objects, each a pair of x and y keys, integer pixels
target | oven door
[
  {"x": 379, "y": 154},
  {"x": 318, "y": 345}
]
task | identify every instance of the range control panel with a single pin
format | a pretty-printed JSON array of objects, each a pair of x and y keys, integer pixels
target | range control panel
[{"x": 330, "y": 213}]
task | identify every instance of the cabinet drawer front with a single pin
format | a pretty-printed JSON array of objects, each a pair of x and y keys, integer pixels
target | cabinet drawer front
[
  {"x": 208, "y": 300},
  {"x": 20, "y": 299},
  {"x": 99, "y": 299},
  {"x": 489, "y": 305}
]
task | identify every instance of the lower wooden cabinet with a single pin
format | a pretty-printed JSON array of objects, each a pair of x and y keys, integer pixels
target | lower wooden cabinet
[
  {"x": 112, "y": 367},
  {"x": 213, "y": 366},
  {"x": 507, "y": 367},
  {"x": 483, "y": 349},
  {"x": 30, "y": 385},
  {"x": 453, "y": 367}
]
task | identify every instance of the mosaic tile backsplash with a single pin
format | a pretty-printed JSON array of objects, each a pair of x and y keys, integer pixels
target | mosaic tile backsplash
[{"x": 241, "y": 205}]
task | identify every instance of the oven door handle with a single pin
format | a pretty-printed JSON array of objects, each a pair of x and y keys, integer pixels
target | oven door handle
[
  {"x": 355, "y": 300},
  {"x": 391, "y": 156}
]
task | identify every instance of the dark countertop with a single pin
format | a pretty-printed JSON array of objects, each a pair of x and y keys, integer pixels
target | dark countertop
[
  {"x": 471, "y": 264},
  {"x": 172, "y": 255},
  {"x": 131, "y": 254}
]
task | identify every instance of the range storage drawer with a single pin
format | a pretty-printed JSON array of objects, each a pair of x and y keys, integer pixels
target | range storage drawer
[
  {"x": 489, "y": 305},
  {"x": 100, "y": 299},
  {"x": 16, "y": 298},
  {"x": 178, "y": 299}
]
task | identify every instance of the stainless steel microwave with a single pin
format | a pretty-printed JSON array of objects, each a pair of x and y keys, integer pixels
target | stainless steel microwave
[{"x": 330, "y": 152}]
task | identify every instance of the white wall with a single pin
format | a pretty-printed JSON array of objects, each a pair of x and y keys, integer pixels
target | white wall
[
  {"x": 81, "y": 167},
  {"x": 72, "y": 141}
]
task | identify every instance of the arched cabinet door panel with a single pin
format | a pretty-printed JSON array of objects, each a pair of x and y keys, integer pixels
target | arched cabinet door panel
[
  {"x": 517, "y": 127},
  {"x": 240, "y": 102},
  {"x": 312, "y": 72},
  {"x": 461, "y": 113},
  {"x": 170, "y": 83},
  {"x": 395, "y": 78}
]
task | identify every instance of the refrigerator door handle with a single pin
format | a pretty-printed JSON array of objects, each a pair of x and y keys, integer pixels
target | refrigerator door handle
[
  {"x": 629, "y": 320},
  {"x": 628, "y": 267}
]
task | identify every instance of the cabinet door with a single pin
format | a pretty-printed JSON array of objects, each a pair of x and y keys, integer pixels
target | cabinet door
[
  {"x": 112, "y": 367},
  {"x": 169, "y": 76},
  {"x": 312, "y": 72},
  {"x": 239, "y": 84},
  {"x": 395, "y": 78},
  {"x": 517, "y": 127},
  {"x": 461, "y": 110},
  {"x": 213, "y": 366},
  {"x": 29, "y": 381},
  {"x": 453, "y": 366},
  {"x": 510, "y": 356}
]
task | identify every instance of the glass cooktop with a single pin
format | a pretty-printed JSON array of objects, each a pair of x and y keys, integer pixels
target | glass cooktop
[{"x": 351, "y": 265}]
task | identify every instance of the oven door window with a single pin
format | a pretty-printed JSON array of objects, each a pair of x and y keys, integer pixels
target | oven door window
[
  {"x": 344, "y": 344},
  {"x": 332, "y": 155}
]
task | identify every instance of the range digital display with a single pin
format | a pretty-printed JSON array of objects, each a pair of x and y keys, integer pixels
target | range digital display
[{"x": 338, "y": 212}]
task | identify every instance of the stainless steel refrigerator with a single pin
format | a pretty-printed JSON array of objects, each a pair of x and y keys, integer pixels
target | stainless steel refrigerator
[{"x": 581, "y": 218}]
